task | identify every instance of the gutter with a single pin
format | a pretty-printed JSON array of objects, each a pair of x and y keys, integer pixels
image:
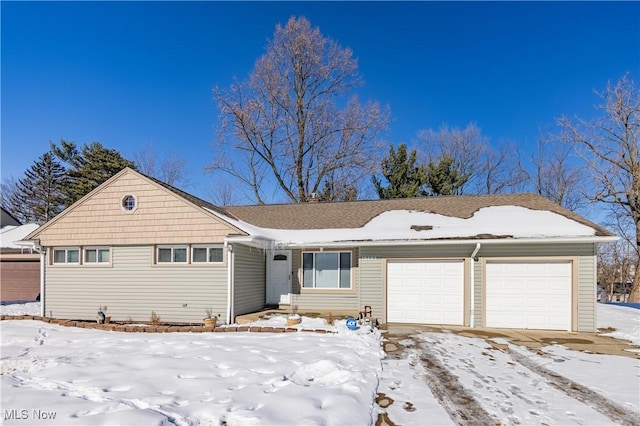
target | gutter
[
  {"x": 365, "y": 243},
  {"x": 473, "y": 285}
]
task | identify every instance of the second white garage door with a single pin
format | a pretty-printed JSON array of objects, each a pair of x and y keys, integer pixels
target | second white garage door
[
  {"x": 425, "y": 292},
  {"x": 534, "y": 295}
]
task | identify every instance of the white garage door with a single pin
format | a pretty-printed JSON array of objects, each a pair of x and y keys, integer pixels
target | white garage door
[
  {"x": 425, "y": 292},
  {"x": 528, "y": 295}
]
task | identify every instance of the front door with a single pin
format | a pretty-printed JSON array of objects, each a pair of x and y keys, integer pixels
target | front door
[{"x": 279, "y": 285}]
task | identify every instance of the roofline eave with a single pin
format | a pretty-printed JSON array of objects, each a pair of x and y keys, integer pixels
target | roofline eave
[{"x": 469, "y": 241}]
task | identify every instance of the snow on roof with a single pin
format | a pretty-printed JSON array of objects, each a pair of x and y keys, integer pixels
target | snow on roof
[
  {"x": 410, "y": 225},
  {"x": 11, "y": 236}
]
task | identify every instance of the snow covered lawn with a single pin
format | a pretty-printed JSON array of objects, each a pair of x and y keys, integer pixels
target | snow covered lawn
[
  {"x": 88, "y": 377},
  {"x": 100, "y": 377}
]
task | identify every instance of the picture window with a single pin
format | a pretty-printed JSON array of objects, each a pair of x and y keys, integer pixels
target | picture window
[{"x": 326, "y": 270}]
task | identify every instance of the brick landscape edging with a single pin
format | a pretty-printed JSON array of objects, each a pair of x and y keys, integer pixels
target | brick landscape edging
[{"x": 163, "y": 328}]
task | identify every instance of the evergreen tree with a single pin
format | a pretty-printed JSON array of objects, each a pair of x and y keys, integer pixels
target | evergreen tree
[
  {"x": 38, "y": 196},
  {"x": 88, "y": 167},
  {"x": 405, "y": 178},
  {"x": 445, "y": 177}
]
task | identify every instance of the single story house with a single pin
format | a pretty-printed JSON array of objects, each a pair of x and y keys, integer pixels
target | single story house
[
  {"x": 138, "y": 245},
  {"x": 19, "y": 261}
]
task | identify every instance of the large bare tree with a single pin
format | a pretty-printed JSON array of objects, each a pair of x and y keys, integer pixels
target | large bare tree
[
  {"x": 171, "y": 169},
  {"x": 556, "y": 174},
  {"x": 610, "y": 147},
  {"x": 491, "y": 170},
  {"x": 291, "y": 124}
]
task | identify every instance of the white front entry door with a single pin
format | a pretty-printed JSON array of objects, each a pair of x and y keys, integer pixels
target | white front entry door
[{"x": 279, "y": 284}]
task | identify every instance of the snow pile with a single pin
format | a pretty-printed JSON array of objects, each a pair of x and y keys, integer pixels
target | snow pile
[
  {"x": 625, "y": 321},
  {"x": 31, "y": 308}
]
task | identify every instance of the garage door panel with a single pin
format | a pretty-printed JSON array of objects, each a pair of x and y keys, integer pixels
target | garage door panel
[
  {"x": 533, "y": 295},
  {"x": 427, "y": 292}
]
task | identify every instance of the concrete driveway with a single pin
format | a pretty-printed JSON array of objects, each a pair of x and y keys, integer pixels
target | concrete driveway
[
  {"x": 532, "y": 339},
  {"x": 517, "y": 388}
]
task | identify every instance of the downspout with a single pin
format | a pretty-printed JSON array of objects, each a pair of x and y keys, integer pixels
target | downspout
[
  {"x": 230, "y": 287},
  {"x": 473, "y": 285},
  {"x": 43, "y": 263}
]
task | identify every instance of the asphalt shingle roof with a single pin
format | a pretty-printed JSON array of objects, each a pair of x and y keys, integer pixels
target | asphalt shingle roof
[{"x": 355, "y": 214}]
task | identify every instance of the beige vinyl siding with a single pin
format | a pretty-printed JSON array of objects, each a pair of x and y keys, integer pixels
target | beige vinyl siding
[
  {"x": 587, "y": 294},
  {"x": 372, "y": 285},
  {"x": 372, "y": 271},
  {"x": 160, "y": 218},
  {"x": 249, "y": 279},
  {"x": 132, "y": 287},
  {"x": 477, "y": 293},
  {"x": 339, "y": 300}
]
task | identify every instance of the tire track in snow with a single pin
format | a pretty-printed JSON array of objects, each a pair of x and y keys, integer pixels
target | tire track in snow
[
  {"x": 577, "y": 391},
  {"x": 462, "y": 407}
]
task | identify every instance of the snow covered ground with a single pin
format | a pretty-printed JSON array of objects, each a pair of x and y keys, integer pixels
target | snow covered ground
[
  {"x": 88, "y": 377},
  {"x": 625, "y": 321}
]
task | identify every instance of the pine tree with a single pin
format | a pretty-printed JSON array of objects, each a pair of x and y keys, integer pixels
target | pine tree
[
  {"x": 405, "y": 178},
  {"x": 88, "y": 168},
  {"x": 38, "y": 196},
  {"x": 445, "y": 177}
]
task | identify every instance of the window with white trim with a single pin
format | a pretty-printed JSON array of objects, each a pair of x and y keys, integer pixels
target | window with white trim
[
  {"x": 326, "y": 270},
  {"x": 129, "y": 203},
  {"x": 97, "y": 255},
  {"x": 66, "y": 256},
  {"x": 207, "y": 254},
  {"x": 174, "y": 254}
]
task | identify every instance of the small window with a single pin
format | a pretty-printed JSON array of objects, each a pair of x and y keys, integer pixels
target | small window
[
  {"x": 97, "y": 255},
  {"x": 63, "y": 256},
  {"x": 129, "y": 203},
  {"x": 207, "y": 254},
  {"x": 172, "y": 255},
  {"x": 327, "y": 270}
]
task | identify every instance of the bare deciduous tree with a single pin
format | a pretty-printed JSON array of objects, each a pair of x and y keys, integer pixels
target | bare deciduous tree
[
  {"x": 291, "y": 124},
  {"x": 610, "y": 147},
  {"x": 171, "y": 169},
  {"x": 556, "y": 174},
  {"x": 8, "y": 188},
  {"x": 223, "y": 194},
  {"x": 490, "y": 170},
  {"x": 498, "y": 171},
  {"x": 616, "y": 266}
]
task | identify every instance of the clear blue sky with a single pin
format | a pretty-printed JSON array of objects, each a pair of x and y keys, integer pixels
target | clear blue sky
[{"x": 128, "y": 74}]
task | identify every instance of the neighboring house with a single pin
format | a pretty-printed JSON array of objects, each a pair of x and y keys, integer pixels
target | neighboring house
[
  {"x": 138, "y": 245},
  {"x": 19, "y": 261},
  {"x": 620, "y": 292}
]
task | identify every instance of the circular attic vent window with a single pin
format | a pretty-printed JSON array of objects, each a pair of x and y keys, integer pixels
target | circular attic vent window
[{"x": 129, "y": 203}]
